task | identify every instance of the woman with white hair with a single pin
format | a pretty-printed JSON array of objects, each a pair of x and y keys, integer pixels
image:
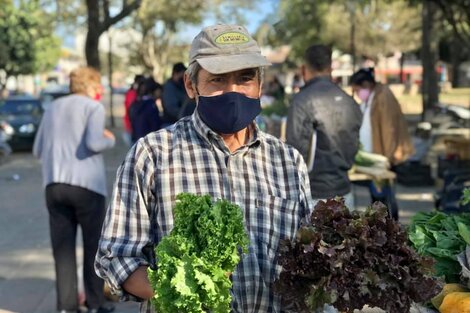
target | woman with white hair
[{"x": 69, "y": 143}]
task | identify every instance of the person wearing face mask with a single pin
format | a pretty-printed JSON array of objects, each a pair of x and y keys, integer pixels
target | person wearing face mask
[
  {"x": 174, "y": 95},
  {"x": 69, "y": 143},
  {"x": 144, "y": 114},
  {"x": 218, "y": 150},
  {"x": 323, "y": 124},
  {"x": 129, "y": 98},
  {"x": 384, "y": 129}
]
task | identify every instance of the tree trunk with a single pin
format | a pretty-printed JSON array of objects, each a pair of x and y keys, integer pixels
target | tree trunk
[
  {"x": 429, "y": 58},
  {"x": 352, "y": 34},
  {"x": 455, "y": 61},
  {"x": 98, "y": 24},
  {"x": 91, "y": 50},
  {"x": 402, "y": 63},
  {"x": 93, "y": 34}
]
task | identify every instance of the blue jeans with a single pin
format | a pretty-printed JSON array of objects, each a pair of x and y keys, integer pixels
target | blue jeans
[{"x": 386, "y": 195}]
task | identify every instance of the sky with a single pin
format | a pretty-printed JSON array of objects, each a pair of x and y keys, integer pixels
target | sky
[{"x": 254, "y": 18}]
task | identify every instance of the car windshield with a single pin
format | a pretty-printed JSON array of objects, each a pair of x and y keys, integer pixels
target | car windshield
[{"x": 20, "y": 107}]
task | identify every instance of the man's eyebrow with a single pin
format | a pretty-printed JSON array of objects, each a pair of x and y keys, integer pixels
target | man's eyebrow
[
  {"x": 249, "y": 71},
  {"x": 215, "y": 75}
]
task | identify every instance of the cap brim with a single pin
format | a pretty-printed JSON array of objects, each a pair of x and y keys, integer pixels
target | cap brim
[{"x": 231, "y": 63}]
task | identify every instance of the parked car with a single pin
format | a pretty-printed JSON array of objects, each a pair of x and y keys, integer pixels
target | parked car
[
  {"x": 23, "y": 114},
  {"x": 49, "y": 94}
]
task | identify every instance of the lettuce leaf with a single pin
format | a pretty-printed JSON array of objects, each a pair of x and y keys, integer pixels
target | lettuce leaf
[
  {"x": 442, "y": 237},
  {"x": 194, "y": 260},
  {"x": 349, "y": 259}
]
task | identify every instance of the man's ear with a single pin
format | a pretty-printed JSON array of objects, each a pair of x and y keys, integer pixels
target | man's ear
[
  {"x": 303, "y": 72},
  {"x": 188, "y": 85}
]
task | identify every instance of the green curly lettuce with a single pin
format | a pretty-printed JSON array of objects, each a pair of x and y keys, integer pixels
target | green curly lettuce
[{"x": 195, "y": 259}]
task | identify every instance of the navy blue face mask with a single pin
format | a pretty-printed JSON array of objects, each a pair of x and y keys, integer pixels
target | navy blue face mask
[{"x": 229, "y": 112}]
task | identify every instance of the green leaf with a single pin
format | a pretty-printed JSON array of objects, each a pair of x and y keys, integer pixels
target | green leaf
[
  {"x": 194, "y": 258},
  {"x": 466, "y": 196},
  {"x": 464, "y": 231}
]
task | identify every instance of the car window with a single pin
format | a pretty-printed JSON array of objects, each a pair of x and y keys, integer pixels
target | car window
[
  {"x": 48, "y": 97},
  {"x": 20, "y": 107}
]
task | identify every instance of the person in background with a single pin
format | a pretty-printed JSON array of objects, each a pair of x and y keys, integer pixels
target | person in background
[
  {"x": 174, "y": 95},
  {"x": 69, "y": 143},
  {"x": 384, "y": 129},
  {"x": 130, "y": 97},
  {"x": 218, "y": 151},
  {"x": 276, "y": 89},
  {"x": 323, "y": 124},
  {"x": 144, "y": 113},
  {"x": 297, "y": 83}
]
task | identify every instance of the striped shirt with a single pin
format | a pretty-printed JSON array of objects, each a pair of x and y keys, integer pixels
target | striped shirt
[{"x": 266, "y": 178}]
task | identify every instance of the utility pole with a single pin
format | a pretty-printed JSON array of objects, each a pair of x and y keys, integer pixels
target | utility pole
[
  {"x": 430, "y": 88},
  {"x": 110, "y": 78},
  {"x": 352, "y": 15}
]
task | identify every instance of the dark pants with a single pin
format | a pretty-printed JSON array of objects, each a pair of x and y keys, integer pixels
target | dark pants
[
  {"x": 387, "y": 196},
  {"x": 68, "y": 207}
]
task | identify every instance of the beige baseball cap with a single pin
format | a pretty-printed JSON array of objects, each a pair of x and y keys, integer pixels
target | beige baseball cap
[{"x": 226, "y": 48}]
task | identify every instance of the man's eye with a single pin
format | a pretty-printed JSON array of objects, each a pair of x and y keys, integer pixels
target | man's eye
[
  {"x": 247, "y": 78},
  {"x": 216, "y": 79}
]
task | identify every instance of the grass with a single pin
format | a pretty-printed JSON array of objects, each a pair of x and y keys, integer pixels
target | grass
[
  {"x": 412, "y": 103},
  {"x": 459, "y": 96}
]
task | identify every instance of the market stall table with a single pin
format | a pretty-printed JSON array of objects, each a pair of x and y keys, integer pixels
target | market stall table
[{"x": 362, "y": 174}]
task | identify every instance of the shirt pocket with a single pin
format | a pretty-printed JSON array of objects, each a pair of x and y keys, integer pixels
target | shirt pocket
[{"x": 271, "y": 219}]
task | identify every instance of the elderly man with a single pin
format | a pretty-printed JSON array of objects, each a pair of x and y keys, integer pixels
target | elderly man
[{"x": 219, "y": 151}]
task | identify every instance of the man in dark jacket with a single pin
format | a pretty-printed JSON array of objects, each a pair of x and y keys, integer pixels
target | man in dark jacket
[
  {"x": 174, "y": 95},
  {"x": 323, "y": 124}
]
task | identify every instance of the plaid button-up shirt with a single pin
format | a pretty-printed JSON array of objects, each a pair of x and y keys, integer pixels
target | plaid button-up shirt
[{"x": 266, "y": 178}]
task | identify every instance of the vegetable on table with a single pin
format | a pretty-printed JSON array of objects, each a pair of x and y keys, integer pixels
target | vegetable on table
[
  {"x": 349, "y": 259},
  {"x": 448, "y": 288},
  {"x": 368, "y": 159},
  {"x": 456, "y": 302},
  {"x": 464, "y": 260},
  {"x": 443, "y": 237},
  {"x": 195, "y": 260}
]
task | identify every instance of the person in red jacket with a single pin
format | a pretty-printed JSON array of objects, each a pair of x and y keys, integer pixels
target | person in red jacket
[{"x": 130, "y": 97}]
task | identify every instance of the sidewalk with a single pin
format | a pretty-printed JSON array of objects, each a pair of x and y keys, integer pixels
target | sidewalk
[{"x": 27, "y": 278}]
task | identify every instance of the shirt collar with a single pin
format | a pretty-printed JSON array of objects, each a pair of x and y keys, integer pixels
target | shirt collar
[
  {"x": 207, "y": 134},
  {"x": 369, "y": 100},
  {"x": 316, "y": 79}
]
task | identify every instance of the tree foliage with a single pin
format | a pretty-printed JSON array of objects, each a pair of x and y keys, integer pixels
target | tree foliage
[
  {"x": 27, "y": 43},
  {"x": 160, "y": 21},
  {"x": 301, "y": 23},
  {"x": 99, "y": 20},
  {"x": 457, "y": 14},
  {"x": 380, "y": 27}
]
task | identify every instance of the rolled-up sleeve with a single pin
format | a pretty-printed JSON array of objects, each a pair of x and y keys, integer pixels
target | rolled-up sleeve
[
  {"x": 126, "y": 229},
  {"x": 305, "y": 199}
]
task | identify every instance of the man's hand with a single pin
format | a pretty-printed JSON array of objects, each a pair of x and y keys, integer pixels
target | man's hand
[{"x": 138, "y": 284}]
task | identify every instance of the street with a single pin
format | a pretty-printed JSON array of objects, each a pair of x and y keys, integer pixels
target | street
[
  {"x": 26, "y": 264},
  {"x": 27, "y": 278}
]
